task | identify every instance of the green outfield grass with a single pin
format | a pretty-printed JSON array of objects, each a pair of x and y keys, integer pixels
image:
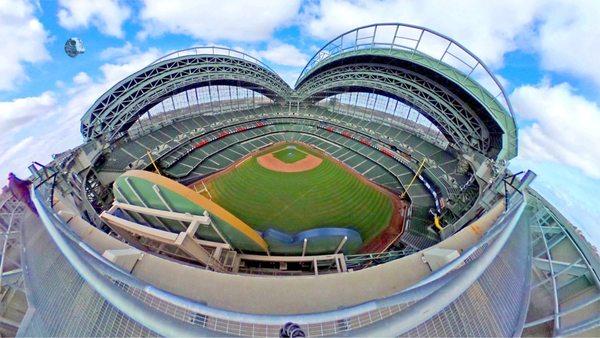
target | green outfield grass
[
  {"x": 289, "y": 154},
  {"x": 326, "y": 196}
]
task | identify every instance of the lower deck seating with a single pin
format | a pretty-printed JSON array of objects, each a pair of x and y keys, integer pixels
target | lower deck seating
[{"x": 389, "y": 173}]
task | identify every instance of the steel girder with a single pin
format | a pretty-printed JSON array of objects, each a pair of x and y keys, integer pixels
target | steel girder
[
  {"x": 565, "y": 270},
  {"x": 451, "y": 115},
  {"x": 123, "y": 104}
]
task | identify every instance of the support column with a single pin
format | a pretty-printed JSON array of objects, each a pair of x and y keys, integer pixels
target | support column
[
  {"x": 185, "y": 242},
  {"x": 342, "y": 242}
]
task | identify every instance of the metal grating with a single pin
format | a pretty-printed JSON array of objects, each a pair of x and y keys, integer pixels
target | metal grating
[
  {"x": 493, "y": 306},
  {"x": 60, "y": 302},
  {"x": 260, "y": 330}
]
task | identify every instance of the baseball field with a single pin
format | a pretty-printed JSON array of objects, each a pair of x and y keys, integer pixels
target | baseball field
[{"x": 293, "y": 187}]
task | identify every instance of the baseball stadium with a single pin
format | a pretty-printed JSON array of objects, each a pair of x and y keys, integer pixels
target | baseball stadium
[{"x": 372, "y": 198}]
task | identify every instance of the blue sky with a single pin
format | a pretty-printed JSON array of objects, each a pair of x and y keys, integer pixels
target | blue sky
[{"x": 546, "y": 53}]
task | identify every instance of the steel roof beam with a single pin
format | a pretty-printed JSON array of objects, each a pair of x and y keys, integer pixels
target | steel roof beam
[
  {"x": 125, "y": 102},
  {"x": 451, "y": 115}
]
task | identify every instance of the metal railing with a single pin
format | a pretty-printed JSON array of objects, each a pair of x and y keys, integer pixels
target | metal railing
[
  {"x": 562, "y": 305},
  {"x": 166, "y": 314},
  {"x": 12, "y": 211},
  {"x": 211, "y": 50},
  {"x": 11, "y": 230},
  {"x": 415, "y": 40}
]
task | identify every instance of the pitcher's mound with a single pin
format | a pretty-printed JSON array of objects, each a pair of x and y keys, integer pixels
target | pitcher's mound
[{"x": 271, "y": 162}]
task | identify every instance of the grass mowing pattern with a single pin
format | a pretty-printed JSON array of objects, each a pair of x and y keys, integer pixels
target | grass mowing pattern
[
  {"x": 289, "y": 155},
  {"x": 326, "y": 196}
]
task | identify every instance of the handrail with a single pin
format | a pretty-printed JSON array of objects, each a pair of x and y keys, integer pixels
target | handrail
[
  {"x": 211, "y": 50},
  {"x": 94, "y": 268},
  {"x": 338, "y": 45}
]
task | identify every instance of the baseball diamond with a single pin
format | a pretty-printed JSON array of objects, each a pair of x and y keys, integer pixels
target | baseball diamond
[{"x": 322, "y": 193}]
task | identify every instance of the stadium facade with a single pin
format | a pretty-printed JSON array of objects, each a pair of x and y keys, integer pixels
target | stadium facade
[{"x": 113, "y": 249}]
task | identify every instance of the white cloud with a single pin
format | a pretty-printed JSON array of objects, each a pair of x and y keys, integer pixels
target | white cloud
[
  {"x": 107, "y": 15},
  {"x": 20, "y": 147},
  {"x": 11, "y": 158},
  {"x": 558, "y": 126},
  {"x": 236, "y": 20},
  {"x": 24, "y": 137},
  {"x": 82, "y": 78},
  {"x": 568, "y": 189},
  {"x": 564, "y": 33},
  {"x": 126, "y": 65},
  {"x": 284, "y": 54},
  {"x": 473, "y": 23},
  {"x": 23, "y": 41},
  {"x": 20, "y": 112},
  {"x": 286, "y": 59},
  {"x": 112, "y": 53},
  {"x": 569, "y": 38},
  {"x": 52, "y": 119},
  {"x": 85, "y": 90}
]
